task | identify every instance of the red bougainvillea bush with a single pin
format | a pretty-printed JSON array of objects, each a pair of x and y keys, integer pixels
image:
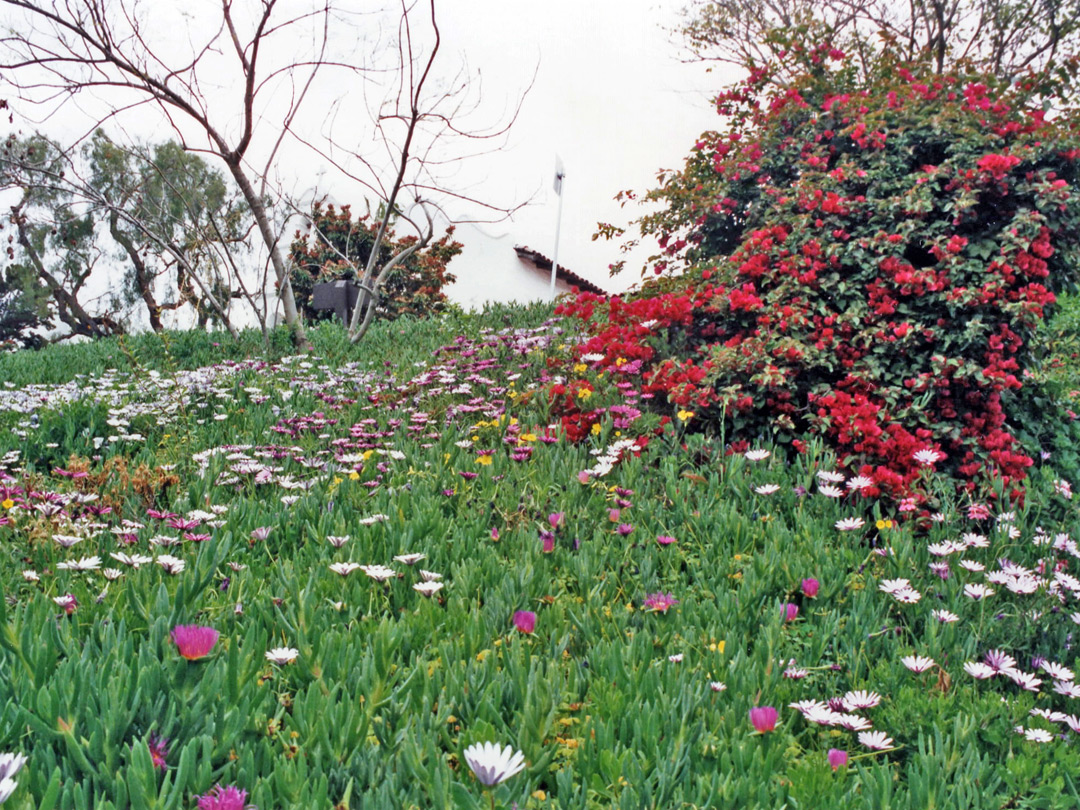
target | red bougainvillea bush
[{"x": 864, "y": 263}]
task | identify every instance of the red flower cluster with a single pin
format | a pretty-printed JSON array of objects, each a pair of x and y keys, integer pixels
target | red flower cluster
[{"x": 867, "y": 263}]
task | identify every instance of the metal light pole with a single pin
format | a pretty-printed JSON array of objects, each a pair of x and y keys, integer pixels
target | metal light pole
[{"x": 560, "y": 173}]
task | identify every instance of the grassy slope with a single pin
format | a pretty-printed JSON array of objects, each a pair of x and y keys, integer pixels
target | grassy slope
[{"x": 389, "y": 687}]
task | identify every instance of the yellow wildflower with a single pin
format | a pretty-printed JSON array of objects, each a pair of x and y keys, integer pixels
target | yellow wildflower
[
  {"x": 684, "y": 415},
  {"x": 7, "y": 503},
  {"x": 485, "y": 460}
]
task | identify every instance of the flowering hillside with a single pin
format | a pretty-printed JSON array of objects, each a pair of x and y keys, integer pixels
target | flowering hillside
[{"x": 398, "y": 576}]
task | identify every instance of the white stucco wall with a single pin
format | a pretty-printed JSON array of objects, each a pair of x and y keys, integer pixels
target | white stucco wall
[{"x": 488, "y": 269}]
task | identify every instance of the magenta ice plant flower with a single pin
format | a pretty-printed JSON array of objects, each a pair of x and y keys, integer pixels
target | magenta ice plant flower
[
  {"x": 225, "y": 798},
  {"x": 659, "y": 602},
  {"x": 525, "y": 621},
  {"x": 788, "y": 611},
  {"x": 547, "y": 540},
  {"x": 194, "y": 641},
  {"x": 764, "y": 718},
  {"x": 159, "y": 749},
  {"x": 810, "y": 587},
  {"x": 837, "y": 758}
]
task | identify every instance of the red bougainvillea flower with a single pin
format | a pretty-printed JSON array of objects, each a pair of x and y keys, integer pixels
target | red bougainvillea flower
[
  {"x": 194, "y": 641},
  {"x": 525, "y": 621}
]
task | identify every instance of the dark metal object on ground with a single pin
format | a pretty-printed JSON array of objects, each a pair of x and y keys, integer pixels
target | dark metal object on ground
[{"x": 339, "y": 296}]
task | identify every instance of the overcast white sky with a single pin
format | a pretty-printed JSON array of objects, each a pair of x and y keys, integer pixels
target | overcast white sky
[{"x": 610, "y": 96}]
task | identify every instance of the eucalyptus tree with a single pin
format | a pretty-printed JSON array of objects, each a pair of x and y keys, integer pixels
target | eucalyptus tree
[
  {"x": 215, "y": 90},
  {"x": 169, "y": 211}
]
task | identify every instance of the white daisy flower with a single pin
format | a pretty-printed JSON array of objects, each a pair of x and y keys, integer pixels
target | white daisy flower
[
  {"x": 853, "y": 722},
  {"x": 1068, "y": 689},
  {"x": 492, "y": 765},
  {"x": 379, "y": 573},
  {"x": 1057, "y": 671},
  {"x": 862, "y": 699},
  {"x": 172, "y": 565},
  {"x": 927, "y": 457},
  {"x": 344, "y": 568},
  {"x": 1024, "y": 680},
  {"x": 282, "y": 655},
  {"x": 875, "y": 740},
  {"x": 850, "y": 524},
  {"x": 84, "y": 564},
  {"x": 894, "y": 585},
  {"x": 917, "y": 663},
  {"x": 908, "y": 596},
  {"x": 977, "y": 669},
  {"x": 428, "y": 588}
]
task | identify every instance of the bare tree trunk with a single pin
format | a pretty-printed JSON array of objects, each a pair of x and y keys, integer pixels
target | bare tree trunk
[
  {"x": 284, "y": 285},
  {"x": 143, "y": 278}
]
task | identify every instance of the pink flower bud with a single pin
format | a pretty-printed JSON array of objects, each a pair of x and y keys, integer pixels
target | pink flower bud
[{"x": 764, "y": 718}]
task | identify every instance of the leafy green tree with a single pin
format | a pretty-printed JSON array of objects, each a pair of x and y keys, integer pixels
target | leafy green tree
[
  {"x": 1000, "y": 37},
  {"x": 169, "y": 211},
  {"x": 23, "y": 307},
  {"x": 53, "y": 234}
]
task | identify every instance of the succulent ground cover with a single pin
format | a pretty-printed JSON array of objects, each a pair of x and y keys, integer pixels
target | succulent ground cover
[{"x": 330, "y": 580}]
